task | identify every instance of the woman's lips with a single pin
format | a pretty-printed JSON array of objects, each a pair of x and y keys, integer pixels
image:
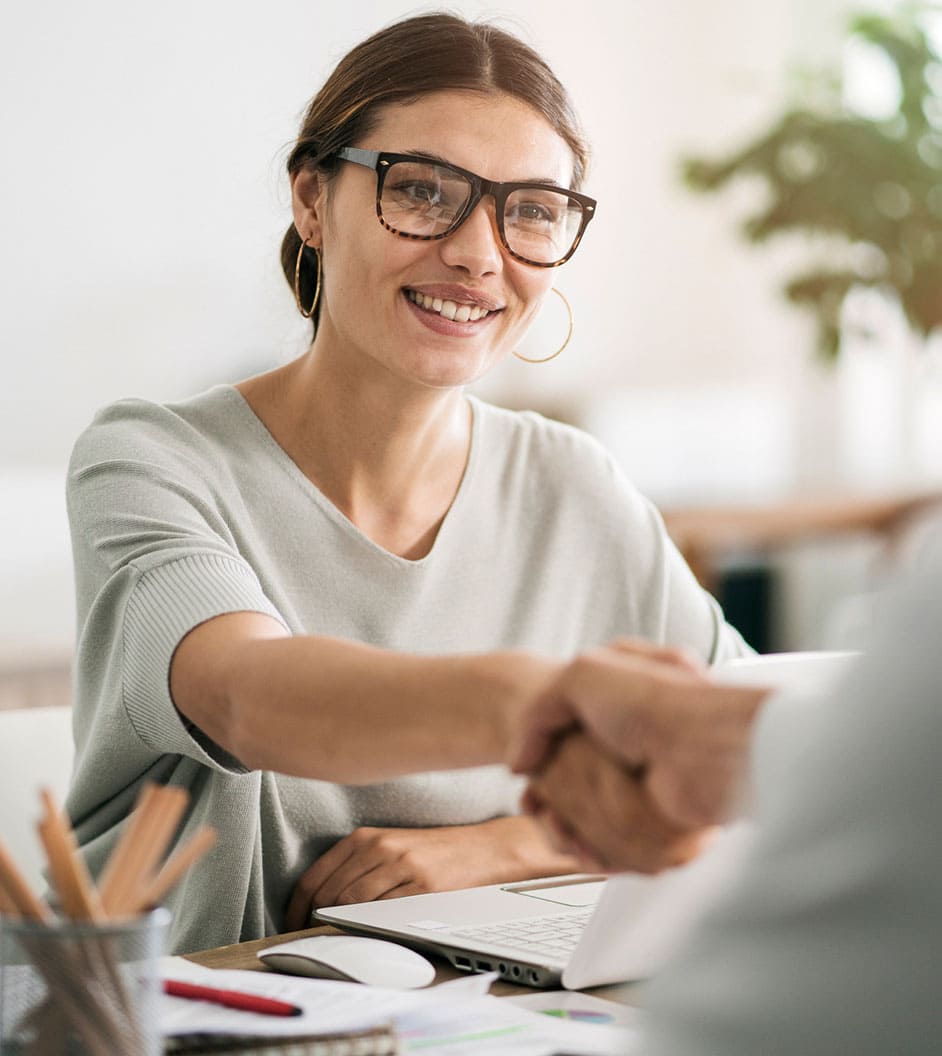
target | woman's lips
[
  {"x": 446, "y": 316},
  {"x": 457, "y": 311}
]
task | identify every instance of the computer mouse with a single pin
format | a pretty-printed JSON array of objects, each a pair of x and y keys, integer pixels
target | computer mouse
[{"x": 352, "y": 959}]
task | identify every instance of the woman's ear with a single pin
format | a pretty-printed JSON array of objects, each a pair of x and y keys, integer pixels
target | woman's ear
[{"x": 308, "y": 202}]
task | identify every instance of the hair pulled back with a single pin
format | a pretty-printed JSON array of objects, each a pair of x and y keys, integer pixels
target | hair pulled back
[{"x": 409, "y": 59}]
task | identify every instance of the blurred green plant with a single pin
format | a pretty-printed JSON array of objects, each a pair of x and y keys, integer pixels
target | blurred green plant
[{"x": 873, "y": 187}]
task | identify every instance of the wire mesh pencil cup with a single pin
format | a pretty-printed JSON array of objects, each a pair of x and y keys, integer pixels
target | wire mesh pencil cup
[{"x": 74, "y": 988}]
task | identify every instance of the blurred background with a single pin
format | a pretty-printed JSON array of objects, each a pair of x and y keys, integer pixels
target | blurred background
[{"x": 791, "y": 440}]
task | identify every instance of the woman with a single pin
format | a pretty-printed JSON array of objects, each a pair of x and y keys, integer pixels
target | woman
[{"x": 296, "y": 590}]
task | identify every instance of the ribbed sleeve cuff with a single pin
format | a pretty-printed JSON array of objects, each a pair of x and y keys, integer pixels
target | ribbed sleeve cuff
[{"x": 166, "y": 603}]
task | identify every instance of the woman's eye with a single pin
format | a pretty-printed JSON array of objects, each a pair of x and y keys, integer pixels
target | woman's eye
[
  {"x": 532, "y": 213},
  {"x": 420, "y": 193}
]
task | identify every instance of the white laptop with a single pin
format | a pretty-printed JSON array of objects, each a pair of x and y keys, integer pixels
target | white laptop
[{"x": 574, "y": 931}]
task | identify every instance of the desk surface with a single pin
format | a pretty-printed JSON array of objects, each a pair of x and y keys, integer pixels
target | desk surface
[
  {"x": 243, "y": 955},
  {"x": 703, "y": 534}
]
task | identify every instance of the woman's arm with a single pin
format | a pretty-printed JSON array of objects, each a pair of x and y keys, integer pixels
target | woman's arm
[
  {"x": 342, "y": 711},
  {"x": 374, "y": 863}
]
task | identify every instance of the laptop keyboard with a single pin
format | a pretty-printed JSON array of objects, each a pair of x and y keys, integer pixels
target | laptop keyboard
[{"x": 554, "y": 936}]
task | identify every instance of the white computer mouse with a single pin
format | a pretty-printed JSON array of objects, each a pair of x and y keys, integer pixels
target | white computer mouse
[{"x": 353, "y": 959}]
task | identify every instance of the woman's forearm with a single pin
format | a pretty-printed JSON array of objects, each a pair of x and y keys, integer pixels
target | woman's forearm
[{"x": 347, "y": 712}]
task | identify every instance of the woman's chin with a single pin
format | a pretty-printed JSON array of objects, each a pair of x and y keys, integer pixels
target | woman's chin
[{"x": 442, "y": 371}]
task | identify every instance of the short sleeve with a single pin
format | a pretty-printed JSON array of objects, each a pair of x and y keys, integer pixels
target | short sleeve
[
  {"x": 166, "y": 603},
  {"x": 156, "y": 553}
]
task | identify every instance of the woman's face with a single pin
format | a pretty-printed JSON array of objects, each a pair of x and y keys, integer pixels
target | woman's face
[{"x": 372, "y": 277}]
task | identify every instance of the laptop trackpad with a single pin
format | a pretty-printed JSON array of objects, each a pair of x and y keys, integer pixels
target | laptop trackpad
[{"x": 565, "y": 892}]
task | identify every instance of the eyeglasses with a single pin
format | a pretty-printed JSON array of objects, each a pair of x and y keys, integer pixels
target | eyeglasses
[{"x": 424, "y": 198}]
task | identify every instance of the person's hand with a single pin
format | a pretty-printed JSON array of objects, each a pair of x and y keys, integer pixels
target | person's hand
[
  {"x": 604, "y": 691},
  {"x": 592, "y": 806},
  {"x": 683, "y": 736},
  {"x": 379, "y": 863}
]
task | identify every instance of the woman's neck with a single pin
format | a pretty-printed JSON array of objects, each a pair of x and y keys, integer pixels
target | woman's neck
[{"x": 388, "y": 455}]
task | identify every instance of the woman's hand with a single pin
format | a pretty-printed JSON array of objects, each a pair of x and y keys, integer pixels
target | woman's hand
[
  {"x": 606, "y": 692},
  {"x": 373, "y": 863},
  {"x": 592, "y": 806},
  {"x": 682, "y": 736}
]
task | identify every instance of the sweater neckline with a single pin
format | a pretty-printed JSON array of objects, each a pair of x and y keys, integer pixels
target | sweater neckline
[{"x": 288, "y": 466}]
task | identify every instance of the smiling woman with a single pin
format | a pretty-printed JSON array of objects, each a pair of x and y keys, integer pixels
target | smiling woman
[
  {"x": 310, "y": 597},
  {"x": 448, "y": 247}
]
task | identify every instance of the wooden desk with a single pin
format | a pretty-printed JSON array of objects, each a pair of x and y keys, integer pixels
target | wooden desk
[
  {"x": 243, "y": 955},
  {"x": 705, "y": 534}
]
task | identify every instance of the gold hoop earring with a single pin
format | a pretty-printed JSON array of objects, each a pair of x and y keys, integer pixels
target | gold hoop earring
[
  {"x": 546, "y": 359},
  {"x": 297, "y": 281}
]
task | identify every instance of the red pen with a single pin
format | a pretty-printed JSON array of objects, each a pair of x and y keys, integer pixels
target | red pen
[{"x": 268, "y": 1006}]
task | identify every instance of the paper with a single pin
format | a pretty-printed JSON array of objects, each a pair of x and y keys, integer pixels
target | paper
[
  {"x": 328, "y": 1006},
  {"x": 496, "y": 1027},
  {"x": 577, "y": 1007},
  {"x": 436, "y": 1020},
  {"x": 171, "y": 967},
  {"x": 474, "y": 984},
  {"x": 642, "y": 920}
]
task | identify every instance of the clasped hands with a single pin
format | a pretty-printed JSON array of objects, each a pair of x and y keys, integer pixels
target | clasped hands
[{"x": 634, "y": 755}]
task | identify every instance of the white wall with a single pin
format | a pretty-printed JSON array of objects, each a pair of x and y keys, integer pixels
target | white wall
[
  {"x": 144, "y": 200},
  {"x": 144, "y": 203}
]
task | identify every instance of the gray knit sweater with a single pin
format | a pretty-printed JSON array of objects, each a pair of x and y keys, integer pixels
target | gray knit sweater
[{"x": 182, "y": 512}]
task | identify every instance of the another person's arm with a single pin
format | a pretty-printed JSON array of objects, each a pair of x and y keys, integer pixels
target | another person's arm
[{"x": 828, "y": 941}]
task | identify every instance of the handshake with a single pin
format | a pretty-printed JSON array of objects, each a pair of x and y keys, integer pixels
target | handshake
[{"x": 634, "y": 754}]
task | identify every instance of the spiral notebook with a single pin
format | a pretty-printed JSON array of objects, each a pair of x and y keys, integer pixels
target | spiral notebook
[{"x": 373, "y": 1041}]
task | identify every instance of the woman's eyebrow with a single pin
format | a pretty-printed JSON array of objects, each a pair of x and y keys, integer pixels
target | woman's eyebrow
[{"x": 432, "y": 156}]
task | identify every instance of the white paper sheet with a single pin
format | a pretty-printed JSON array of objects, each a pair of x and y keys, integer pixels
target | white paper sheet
[
  {"x": 573, "y": 1005},
  {"x": 431, "y": 1021}
]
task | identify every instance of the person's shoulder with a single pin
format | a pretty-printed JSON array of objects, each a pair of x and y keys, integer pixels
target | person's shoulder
[
  {"x": 138, "y": 429},
  {"x": 556, "y": 465},
  {"x": 530, "y": 434}
]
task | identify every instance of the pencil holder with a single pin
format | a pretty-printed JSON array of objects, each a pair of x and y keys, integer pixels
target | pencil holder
[{"x": 81, "y": 989}]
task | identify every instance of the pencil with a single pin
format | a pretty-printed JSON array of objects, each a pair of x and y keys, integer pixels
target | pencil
[
  {"x": 67, "y": 868},
  {"x": 174, "y": 867},
  {"x": 7, "y": 904},
  {"x": 86, "y": 992},
  {"x": 26, "y": 902},
  {"x": 112, "y": 874},
  {"x": 164, "y": 810}
]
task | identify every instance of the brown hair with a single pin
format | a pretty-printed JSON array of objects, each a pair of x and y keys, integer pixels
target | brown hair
[{"x": 409, "y": 59}]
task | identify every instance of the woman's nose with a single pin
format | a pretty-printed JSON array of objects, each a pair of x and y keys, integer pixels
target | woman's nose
[{"x": 475, "y": 246}]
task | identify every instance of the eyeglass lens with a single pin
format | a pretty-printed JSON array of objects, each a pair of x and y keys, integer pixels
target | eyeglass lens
[{"x": 424, "y": 199}]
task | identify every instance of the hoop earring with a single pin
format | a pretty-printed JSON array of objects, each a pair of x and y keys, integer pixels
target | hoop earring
[
  {"x": 297, "y": 281},
  {"x": 546, "y": 359}
]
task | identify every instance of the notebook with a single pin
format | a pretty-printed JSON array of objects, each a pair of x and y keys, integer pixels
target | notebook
[
  {"x": 371, "y": 1041},
  {"x": 571, "y": 931}
]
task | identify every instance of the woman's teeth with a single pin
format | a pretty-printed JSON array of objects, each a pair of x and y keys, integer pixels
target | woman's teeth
[{"x": 460, "y": 313}]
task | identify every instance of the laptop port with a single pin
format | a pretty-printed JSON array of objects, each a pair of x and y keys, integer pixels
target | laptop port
[
  {"x": 533, "y": 976},
  {"x": 463, "y": 962},
  {"x": 503, "y": 968},
  {"x": 483, "y": 966},
  {"x": 516, "y": 971}
]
